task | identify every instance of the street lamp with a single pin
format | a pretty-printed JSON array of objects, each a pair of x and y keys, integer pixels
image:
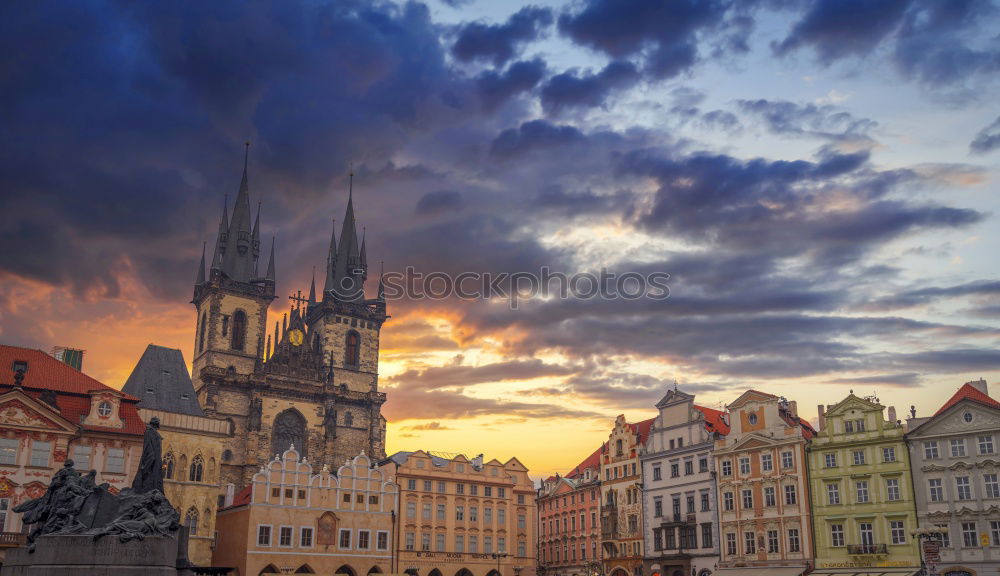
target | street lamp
[{"x": 497, "y": 556}]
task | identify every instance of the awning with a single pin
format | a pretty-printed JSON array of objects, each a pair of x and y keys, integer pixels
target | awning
[
  {"x": 761, "y": 571},
  {"x": 866, "y": 572}
]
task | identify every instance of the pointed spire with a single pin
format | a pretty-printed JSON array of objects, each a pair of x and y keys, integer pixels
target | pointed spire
[
  {"x": 312, "y": 289},
  {"x": 256, "y": 224},
  {"x": 270, "y": 265},
  {"x": 201, "y": 266},
  {"x": 284, "y": 324},
  {"x": 267, "y": 351},
  {"x": 381, "y": 281},
  {"x": 331, "y": 259},
  {"x": 239, "y": 261},
  {"x": 220, "y": 241},
  {"x": 347, "y": 278},
  {"x": 276, "y": 339},
  {"x": 364, "y": 256}
]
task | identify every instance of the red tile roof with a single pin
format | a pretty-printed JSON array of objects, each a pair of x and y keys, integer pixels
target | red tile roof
[
  {"x": 242, "y": 497},
  {"x": 807, "y": 430},
  {"x": 642, "y": 429},
  {"x": 714, "y": 421},
  {"x": 589, "y": 462},
  {"x": 72, "y": 387},
  {"x": 969, "y": 392}
]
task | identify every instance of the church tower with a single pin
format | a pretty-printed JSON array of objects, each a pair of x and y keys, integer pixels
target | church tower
[{"x": 233, "y": 298}]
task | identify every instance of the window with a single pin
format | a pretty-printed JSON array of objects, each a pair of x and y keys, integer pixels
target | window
[
  {"x": 766, "y": 462},
  {"x": 727, "y": 468},
  {"x": 747, "y": 499},
  {"x": 688, "y": 467},
  {"x": 727, "y": 501},
  {"x": 441, "y": 487},
  {"x": 104, "y": 409},
  {"x": 488, "y": 515},
  {"x": 115, "y": 461},
  {"x": 749, "y": 543},
  {"x": 995, "y": 532},
  {"x": 690, "y": 503},
  {"x": 991, "y": 485},
  {"x": 522, "y": 549},
  {"x": 440, "y": 512},
  {"x": 8, "y": 450},
  {"x": 706, "y": 535},
  {"x": 502, "y": 492},
  {"x": 769, "y": 497},
  {"x": 794, "y": 544},
  {"x": 345, "y": 538},
  {"x": 889, "y": 454},
  {"x": 752, "y": 419},
  {"x": 239, "y": 336},
  {"x": 986, "y": 445},
  {"x": 439, "y": 542},
  {"x": 425, "y": 542},
  {"x": 201, "y": 333},
  {"x": 731, "y": 544},
  {"x": 931, "y": 450},
  {"x": 848, "y": 426},
  {"x": 520, "y": 499},
  {"x": 4, "y": 507},
  {"x": 963, "y": 488},
  {"x": 501, "y": 516},
  {"x": 744, "y": 466},
  {"x": 487, "y": 544},
  {"x": 936, "y": 490},
  {"x": 897, "y": 532},
  {"x": 459, "y": 543},
  {"x": 263, "y": 535},
  {"x": 892, "y": 489},
  {"x": 967, "y": 416},
  {"x": 830, "y": 459},
  {"x": 197, "y": 466},
  {"x": 675, "y": 470},
  {"x": 772, "y": 541},
  {"x": 428, "y": 485},
  {"x": 957, "y": 447},
  {"x": 859, "y": 457},
  {"x": 705, "y": 505},
  {"x": 862, "y": 490},
  {"x": 488, "y": 491},
  {"x": 411, "y": 509},
  {"x": 81, "y": 457},
  {"x": 836, "y": 535},
  {"x": 522, "y": 521},
  {"x": 473, "y": 544},
  {"x": 40, "y": 453},
  {"x": 833, "y": 494},
  {"x": 305, "y": 537},
  {"x": 791, "y": 498},
  {"x": 410, "y": 539},
  {"x": 460, "y": 513},
  {"x": 786, "y": 460},
  {"x": 867, "y": 533},
  {"x": 426, "y": 511},
  {"x": 352, "y": 349},
  {"x": 411, "y": 484},
  {"x": 285, "y": 536},
  {"x": 168, "y": 466},
  {"x": 501, "y": 544},
  {"x": 703, "y": 465},
  {"x": 657, "y": 475},
  {"x": 969, "y": 539}
]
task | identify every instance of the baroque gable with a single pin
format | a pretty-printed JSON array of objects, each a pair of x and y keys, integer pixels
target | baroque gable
[
  {"x": 952, "y": 421},
  {"x": 19, "y": 409}
]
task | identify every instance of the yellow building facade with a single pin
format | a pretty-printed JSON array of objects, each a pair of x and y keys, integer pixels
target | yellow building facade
[
  {"x": 461, "y": 517},
  {"x": 292, "y": 519}
]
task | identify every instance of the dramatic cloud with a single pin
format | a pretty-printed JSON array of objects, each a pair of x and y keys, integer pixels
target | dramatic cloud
[
  {"x": 837, "y": 29},
  {"x": 572, "y": 89},
  {"x": 825, "y": 121},
  {"x": 499, "y": 43},
  {"x": 988, "y": 139},
  {"x": 496, "y": 87}
]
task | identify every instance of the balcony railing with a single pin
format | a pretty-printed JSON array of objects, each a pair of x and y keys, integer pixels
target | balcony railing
[
  {"x": 11, "y": 539},
  {"x": 866, "y": 549}
]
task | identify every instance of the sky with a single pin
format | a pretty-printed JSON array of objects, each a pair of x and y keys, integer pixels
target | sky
[{"x": 819, "y": 180}]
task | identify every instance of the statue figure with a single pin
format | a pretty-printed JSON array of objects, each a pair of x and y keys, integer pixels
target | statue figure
[
  {"x": 56, "y": 510},
  {"x": 150, "y": 473},
  {"x": 330, "y": 422},
  {"x": 148, "y": 513},
  {"x": 256, "y": 408}
]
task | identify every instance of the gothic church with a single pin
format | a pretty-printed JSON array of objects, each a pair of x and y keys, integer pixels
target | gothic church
[{"x": 315, "y": 384}]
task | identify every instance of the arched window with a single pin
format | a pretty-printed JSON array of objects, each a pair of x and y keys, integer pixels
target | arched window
[
  {"x": 191, "y": 521},
  {"x": 197, "y": 469},
  {"x": 289, "y": 428},
  {"x": 317, "y": 345},
  {"x": 352, "y": 350},
  {"x": 348, "y": 419},
  {"x": 227, "y": 455},
  {"x": 201, "y": 339},
  {"x": 168, "y": 465},
  {"x": 239, "y": 330},
  {"x": 211, "y": 469}
]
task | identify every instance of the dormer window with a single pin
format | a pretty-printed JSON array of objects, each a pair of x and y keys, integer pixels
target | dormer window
[{"x": 104, "y": 409}]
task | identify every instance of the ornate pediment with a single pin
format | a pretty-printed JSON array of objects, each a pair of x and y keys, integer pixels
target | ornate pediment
[
  {"x": 20, "y": 410},
  {"x": 751, "y": 441}
]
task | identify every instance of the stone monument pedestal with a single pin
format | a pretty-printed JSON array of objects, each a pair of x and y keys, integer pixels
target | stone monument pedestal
[{"x": 81, "y": 555}]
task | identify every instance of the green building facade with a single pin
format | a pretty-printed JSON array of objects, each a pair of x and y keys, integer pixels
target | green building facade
[{"x": 861, "y": 492}]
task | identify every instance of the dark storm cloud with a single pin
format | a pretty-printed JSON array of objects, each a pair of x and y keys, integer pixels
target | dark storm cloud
[
  {"x": 932, "y": 42},
  {"x": 665, "y": 33},
  {"x": 534, "y": 135},
  {"x": 439, "y": 201},
  {"x": 625, "y": 390},
  {"x": 414, "y": 403},
  {"x": 790, "y": 118},
  {"x": 933, "y": 294},
  {"x": 461, "y": 375},
  {"x": 988, "y": 139},
  {"x": 574, "y": 89},
  {"x": 496, "y": 87},
  {"x": 499, "y": 43},
  {"x": 903, "y": 379}
]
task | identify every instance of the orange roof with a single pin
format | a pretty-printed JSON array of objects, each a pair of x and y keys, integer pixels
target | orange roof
[
  {"x": 590, "y": 461},
  {"x": 969, "y": 392},
  {"x": 71, "y": 386},
  {"x": 714, "y": 421},
  {"x": 807, "y": 430},
  {"x": 242, "y": 497},
  {"x": 642, "y": 429}
]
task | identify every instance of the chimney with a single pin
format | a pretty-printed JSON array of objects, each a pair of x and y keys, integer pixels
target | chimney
[
  {"x": 793, "y": 408},
  {"x": 980, "y": 385},
  {"x": 821, "y": 418},
  {"x": 892, "y": 414}
]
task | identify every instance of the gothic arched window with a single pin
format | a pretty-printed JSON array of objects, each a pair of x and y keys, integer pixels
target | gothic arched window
[
  {"x": 289, "y": 428},
  {"x": 239, "y": 330},
  {"x": 201, "y": 339},
  {"x": 352, "y": 350},
  {"x": 348, "y": 419},
  {"x": 168, "y": 465},
  {"x": 191, "y": 521},
  {"x": 197, "y": 469}
]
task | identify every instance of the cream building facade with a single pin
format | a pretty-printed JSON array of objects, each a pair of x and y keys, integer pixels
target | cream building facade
[
  {"x": 461, "y": 517},
  {"x": 621, "y": 504},
  {"x": 294, "y": 519}
]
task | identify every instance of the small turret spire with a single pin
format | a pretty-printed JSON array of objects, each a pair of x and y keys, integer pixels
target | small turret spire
[
  {"x": 312, "y": 289},
  {"x": 270, "y": 265},
  {"x": 221, "y": 239},
  {"x": 331, "y": 259},
  {"x": 381, "y": 281},
  {"x": 201, "y": 266}
]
